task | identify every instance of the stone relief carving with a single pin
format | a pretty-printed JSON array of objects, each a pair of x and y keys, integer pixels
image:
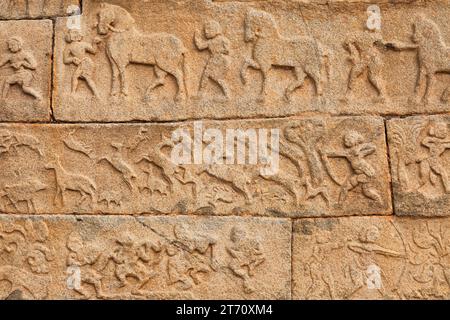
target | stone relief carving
[
  {"x": 23, "y": 65},
  {"x": 257, "y": 42},
  {"x": 420, "y": 162},
  {"x": 76, "y": 53},
  {"x": 219, "y": 62},
  {"x": 314, "y": 175},
  {"x": 166, "y": 259},
  {"x": 305, "y": 55},
  {"x": 163, "y": 51},
  {"x": 378, "y": 259},
  {"x": 25, "y": 255}
]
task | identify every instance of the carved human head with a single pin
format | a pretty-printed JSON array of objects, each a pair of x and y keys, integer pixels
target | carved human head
[
  {"x": 74, "y": 242},
  {"x": 352, "y": 138},
  {"x": 74, "y": 35},
  {"x": 237, "y": 234},
  {"x": 370, "y": 235},
  {"x": 15, "y": 44},
  {"x": 212, "y": 29},
  {"x": 439, "y": 130}
]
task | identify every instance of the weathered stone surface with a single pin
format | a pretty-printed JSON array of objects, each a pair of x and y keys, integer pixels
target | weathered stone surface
[
  {"x": 327, "y": 166},
  {"x": 60, "y": 257},
  {"x": 371, "y": 258},
  {"x": 20, "y": 9},
  {"x": 420, "y": 162},
  {"x": 173, "y": 60},
  {"x": 25, "y": 70}
]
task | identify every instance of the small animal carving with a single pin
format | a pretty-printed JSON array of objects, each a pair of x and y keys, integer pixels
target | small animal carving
[
  {"x": 110, "y": 198},
  {"x": 66, "y": 181},
  {"x": 24, "y": 192}
]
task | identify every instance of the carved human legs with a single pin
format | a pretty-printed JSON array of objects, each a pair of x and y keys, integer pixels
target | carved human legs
[{"x": 301, "y": 75}]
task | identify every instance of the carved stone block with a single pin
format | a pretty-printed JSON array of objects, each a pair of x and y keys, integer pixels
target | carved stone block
[
  {"x": 420, "y": 165},
  {"x": 25, "y": 70},
  {"x": 371, "y": 258},
  {"x": 20, "y": 9},
  {"x": 325, "y": 166},
  {"x": 44, "y": 257},
  {"x": 177, "y": 60}
]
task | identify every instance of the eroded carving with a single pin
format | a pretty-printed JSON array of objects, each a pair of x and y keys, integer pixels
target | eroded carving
[{"x": 23, "y": 64}]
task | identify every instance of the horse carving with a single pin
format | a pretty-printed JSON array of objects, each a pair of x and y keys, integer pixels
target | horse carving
[
  {"x": 433, "y": 54},
  {"x": 126, "y": 45},
  {"x": 305, "y": 55}
]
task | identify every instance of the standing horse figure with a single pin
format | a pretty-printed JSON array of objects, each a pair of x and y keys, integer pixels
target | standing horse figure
[
  {"x": 304, "y": 54},
  {"x": 433, "y": 54},
  {"x": 127, "y": 45}
]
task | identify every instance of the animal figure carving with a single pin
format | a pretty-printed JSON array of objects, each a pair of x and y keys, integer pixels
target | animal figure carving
[
  {"x": 304, "y": 54},
  {"x": 24, "y": 192},
  {"x": 66, "y": 181},
  {"x": 126, "y": 45},
  {"x": 433, "y": 54}
]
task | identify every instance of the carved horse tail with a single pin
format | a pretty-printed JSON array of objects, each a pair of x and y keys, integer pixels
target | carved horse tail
[
  {"x": 326, "y": 55},
  {"x": 186, "y": 70}
]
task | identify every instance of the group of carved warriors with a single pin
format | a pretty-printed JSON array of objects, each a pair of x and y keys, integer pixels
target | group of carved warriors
[
  {"x": 423, "y": 265},
  {"x": 305, "y": 55},
  {"x": 185, "y": 262}
]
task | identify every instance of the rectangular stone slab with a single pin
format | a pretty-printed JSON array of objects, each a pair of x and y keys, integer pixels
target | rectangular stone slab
[
  {"x": 22, "y": 9},
  {"x": 25, "y": 76},
  {"x": 61, "y": 257},
  {"x": 131, "y": 63},
  {"x": 371, "y": 258},
  {"x": 420, "y": 162},
  {"x": 327, "y": 166}
]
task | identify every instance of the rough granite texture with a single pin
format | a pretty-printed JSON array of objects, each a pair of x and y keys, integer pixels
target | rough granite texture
[{"x": 110, "y": 108}]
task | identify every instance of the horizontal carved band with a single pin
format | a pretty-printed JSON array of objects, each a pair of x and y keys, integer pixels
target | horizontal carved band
[
  {"x": 144, "y": 258},
  {"x": 291, "y": 167}
]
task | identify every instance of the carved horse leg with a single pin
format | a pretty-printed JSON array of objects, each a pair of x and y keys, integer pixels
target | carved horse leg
[
  {"x": 265, "y": 74},
  {"x": 248, "y": 63},
  {"x": 300, "y": 75},
  {"x": 314, "y": 72},
  {"x": 429, "y": 84},
  {"x": 123, "y": 78},
  {"x": 159, "y": 81}
]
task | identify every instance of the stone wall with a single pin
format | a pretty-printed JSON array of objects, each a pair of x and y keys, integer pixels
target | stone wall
[{"x": 327, "y": 123}]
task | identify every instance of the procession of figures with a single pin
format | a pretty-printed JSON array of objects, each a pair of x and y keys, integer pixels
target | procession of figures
[{"x": 124, "y": 44}]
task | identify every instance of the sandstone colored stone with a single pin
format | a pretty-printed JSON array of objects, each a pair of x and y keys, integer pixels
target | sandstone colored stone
[
  {"x": 20, "y": 9},
  {"x": 176, "y": 60},
  {"x": 327, "y": 166},
  {"x": 420, "y": 161},
  {"x": 371, "y": 258},
  {"x": 25, "y": 70},
  {"x": 64, "y": 257}
]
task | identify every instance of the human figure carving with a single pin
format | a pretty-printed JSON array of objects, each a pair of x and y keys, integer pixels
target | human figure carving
[
  {"x": 318, "y": 267},
  {"x": 246, "y": 255},
  {"x": 219, "y": 62},
  {"x": 66, "y": 181},
  {"x": 304, "y": 54},
  {"x": 23, "y": 64},
  {"x": 126, "y": 44},
  {"x": 365, "y": 55},
  {"x": 76, "y": 53},
  {"x": 437, "y": 142},
  {"x": 363, "y": 172},
  {"x": 90, "y": 263},
  {"x": 367, "y": 248}
]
